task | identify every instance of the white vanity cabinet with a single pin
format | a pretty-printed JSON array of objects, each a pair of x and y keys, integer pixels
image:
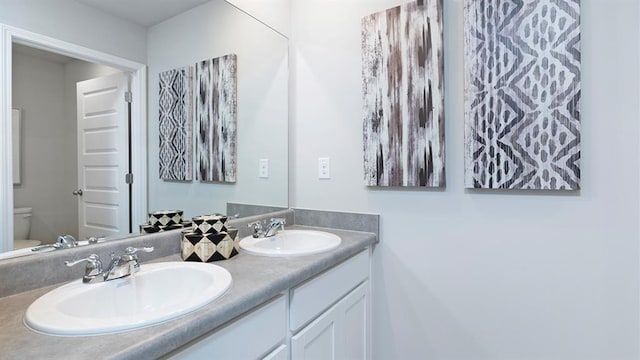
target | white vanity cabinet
[
  {"x": 326, "y": 317},
  {"x": 251, "y": 336},
  {"x": 329, "y": 314}
]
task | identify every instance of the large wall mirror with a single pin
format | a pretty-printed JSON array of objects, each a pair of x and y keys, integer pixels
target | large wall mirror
[
  {"x": 216, "y": 29},
  {"x": 49, "y": 120}
]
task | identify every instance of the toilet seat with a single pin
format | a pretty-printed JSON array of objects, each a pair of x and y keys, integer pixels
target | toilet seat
[{"x": 23, "y": 244}]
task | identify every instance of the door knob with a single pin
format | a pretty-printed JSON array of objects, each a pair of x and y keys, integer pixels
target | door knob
[{"x": 77, "y": 192}]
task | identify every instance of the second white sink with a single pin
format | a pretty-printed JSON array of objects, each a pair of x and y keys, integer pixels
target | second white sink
[
  {"x": 157, "y": 293},
  {"x": 291, "y": 243}
]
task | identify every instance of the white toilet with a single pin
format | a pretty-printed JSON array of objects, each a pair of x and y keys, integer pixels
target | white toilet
[{"x": 21, "y": 229}]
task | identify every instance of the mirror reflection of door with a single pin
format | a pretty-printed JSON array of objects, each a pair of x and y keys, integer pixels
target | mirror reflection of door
[
  {"x": 103, "y": 193},
  {"x": 44, "y": 89}
]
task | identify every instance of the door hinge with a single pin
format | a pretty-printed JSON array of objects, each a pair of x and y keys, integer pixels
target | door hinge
[
  {"x": 128, "y": 178},
  {"x": 128, "y": 97}
]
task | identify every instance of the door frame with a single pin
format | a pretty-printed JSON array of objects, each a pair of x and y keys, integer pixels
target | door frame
[{"x": 138, "y": 71}]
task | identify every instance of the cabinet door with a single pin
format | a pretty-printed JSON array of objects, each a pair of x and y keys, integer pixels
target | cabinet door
[
  {"x": 342, "y": 332},
  {"x": 354, "y": 311},
  {"x": 318, "y": 339}
]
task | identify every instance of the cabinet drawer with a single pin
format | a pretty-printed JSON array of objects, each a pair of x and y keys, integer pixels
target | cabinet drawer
[
  {"x": 315, "y": 295},
  {"x": 249, "y": 337}
]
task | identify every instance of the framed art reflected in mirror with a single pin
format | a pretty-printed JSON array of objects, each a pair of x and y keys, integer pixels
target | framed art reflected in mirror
[{"x": 15, "y": 142}]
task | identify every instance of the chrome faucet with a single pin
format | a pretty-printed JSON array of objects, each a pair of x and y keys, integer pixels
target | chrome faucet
[
  {"x": 125, "y": 264},
  {"x": 119, "y": 267},
  {"x": 274, "y": 226},
  {"x": 67, "y": 241},
  {"x": 64, "y": 242},
  {"x": 93, "y": 270}
]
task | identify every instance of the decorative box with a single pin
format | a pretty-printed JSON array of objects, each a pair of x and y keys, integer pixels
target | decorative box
[
  {"x": 208, "y": 224},
  {"x": 234, "y": 235},
  {"x": 165, "y": 218},
  {"x": 149, "y": 229},
  {"x": 209, "y": 247}
]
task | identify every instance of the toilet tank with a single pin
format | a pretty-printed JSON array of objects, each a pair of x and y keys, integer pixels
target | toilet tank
[{"x": 21, "y": 223}]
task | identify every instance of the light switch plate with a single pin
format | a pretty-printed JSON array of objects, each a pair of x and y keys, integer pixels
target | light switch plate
[
  {"x": 324, "y": 168},
  {"x": 264, "y": 169}
]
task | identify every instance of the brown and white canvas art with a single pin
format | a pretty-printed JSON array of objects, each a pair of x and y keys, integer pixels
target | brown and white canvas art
[
  {"x": 216, "y": 111},
  {"x": 403, "y": 107},
  {"x": 176, "y": 123},
  {"x": 522, "y": 94}
]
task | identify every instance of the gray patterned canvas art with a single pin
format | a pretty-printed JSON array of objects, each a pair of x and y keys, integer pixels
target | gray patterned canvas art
[
  {"x": 176, "y": 146},
  {"x": 403, "y": 76},
  {"x": 216, "y": 119},
  {"x": 522, "y": 95}
]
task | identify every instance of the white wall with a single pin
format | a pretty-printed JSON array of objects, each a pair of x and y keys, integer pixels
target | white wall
[
  {"x": 76, "y": 23},
  {"x": 45, "y": 91},
  {"x": 38, "y": 91},
  {"x": 465, "y": 274},
  {"x": 274, "y": 13},
  {"x": 207, "y": 31}
]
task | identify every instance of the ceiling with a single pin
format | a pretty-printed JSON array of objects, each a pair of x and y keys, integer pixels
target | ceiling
[{"x": 144, "y": 12}]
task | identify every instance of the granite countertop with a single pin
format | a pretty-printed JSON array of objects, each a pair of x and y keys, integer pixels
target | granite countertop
[{"x": 256, "y": 279}]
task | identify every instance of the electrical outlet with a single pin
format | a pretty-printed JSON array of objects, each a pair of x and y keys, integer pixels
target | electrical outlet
[
  {"x": 264, "y": 168},
  {"x": 324, "y": 168}
]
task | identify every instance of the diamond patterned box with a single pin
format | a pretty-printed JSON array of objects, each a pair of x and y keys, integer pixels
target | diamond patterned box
[
  {"x": 165, "y": 218},
  {"x": 208, "y": 224},
  {"x": 209, "y": 247}
]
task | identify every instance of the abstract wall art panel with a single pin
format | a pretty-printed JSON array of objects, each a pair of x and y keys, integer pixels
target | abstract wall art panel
[
  {"x": 403, "y": 107},
  {"x": 522, "y": 94},
  {"x": 216, "y": 81},
  {"x": 176, "y": 144}
]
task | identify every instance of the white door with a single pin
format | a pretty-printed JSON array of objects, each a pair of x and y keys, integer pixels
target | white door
[{"x": 103, "y": 160}]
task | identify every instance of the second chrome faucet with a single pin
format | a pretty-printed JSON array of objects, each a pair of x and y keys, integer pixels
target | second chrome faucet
[{"x": 271, "y": 229}]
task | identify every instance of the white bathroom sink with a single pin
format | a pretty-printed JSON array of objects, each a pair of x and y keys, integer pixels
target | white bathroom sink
[
  {"x": 157, "y": 293},
  {"x": 291, "y": 243}
]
